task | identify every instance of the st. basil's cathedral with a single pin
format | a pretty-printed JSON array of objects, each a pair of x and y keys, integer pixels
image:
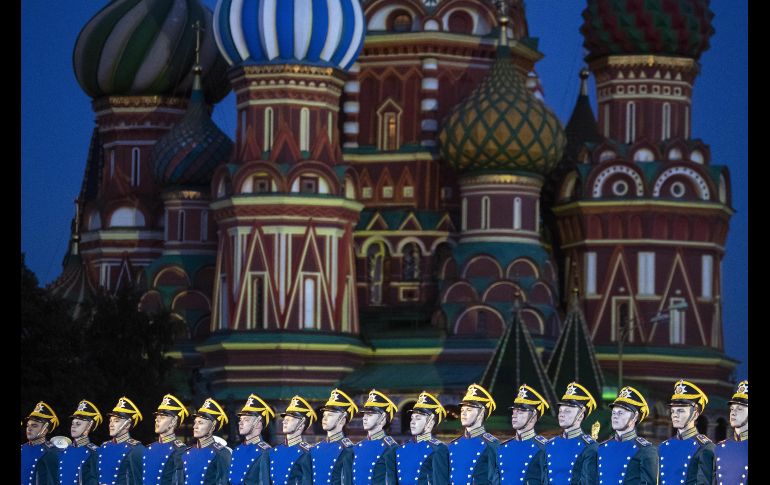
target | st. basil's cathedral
[{"x": 399, "y": 207}]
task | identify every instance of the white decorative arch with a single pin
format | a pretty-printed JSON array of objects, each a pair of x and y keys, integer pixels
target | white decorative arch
[
  {"x": 127, "y": 217},
  {"x": 615, "y": 169},
  {"x": 379, "y": 19},
  {"x": 480, "y": 24},
  {"x": 703, "y": 189},
  {"x": 372, "y": 240},
  {"x": 434, "y": 246},
  {"x": 476, "y": 307},
  {"x": 407, "y": 240}
]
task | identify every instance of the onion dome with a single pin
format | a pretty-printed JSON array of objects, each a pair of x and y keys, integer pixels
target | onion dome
[
  {"x": 147, "y": 47},
  {"x": 189, "y": 153},
  {"x": 664, "y": 27},
  {"x": 326, "y": 33},
  {"x": 502, "y": 126}
]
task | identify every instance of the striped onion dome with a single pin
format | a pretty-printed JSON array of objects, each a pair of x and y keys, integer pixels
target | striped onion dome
[
  {"x": 502, "y": 127},
  {"x": 313, "y": 32},
  {"x": 147, "y": 47},
  {"x": 189, "y": 153}
]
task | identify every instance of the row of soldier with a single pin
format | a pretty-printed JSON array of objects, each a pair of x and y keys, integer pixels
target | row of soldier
[{"x": 476, "y": 457}]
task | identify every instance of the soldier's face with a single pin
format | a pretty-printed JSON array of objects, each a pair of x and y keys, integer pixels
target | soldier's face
[
  {"x": 372, "y": 421},
  {"x": 291, "y": 424},
  {"x": 164, "y": 423},
  {"x": 202, "y": 427},
  {"x": 418, "y": 423},
  {"x": 621, "y": 418},
  {"x": 520, "y": 417},
  {"x": 469, "y": 415},
  {"x": 34, "y": 429},
  {"x": 739, "y": 415},
  {"x": 79, "y": 427},
  {"x": 567, "y": 415},
  {"x": 246, "y": 424},
  {"x": 118, "y": 425},
  {"x": 331, "y": 419},
  {"x": 680, "y": 416}
]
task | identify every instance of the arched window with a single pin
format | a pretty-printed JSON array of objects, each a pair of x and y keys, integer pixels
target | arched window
[
  {"x": 112, "y": 163},
  {"x": 630, "y": 122},
  {"x": 223, "y": 303},
  {"x": 400, "y": 21},
  {"x": 460, "y": 22},
  {"x": 304, "y": 130},
  {"x": 268, "y": 130},
  {"x": 607, "y": 120},
  {"x": 666, "y": 126},
  {"x": 411, "y": 262},
  {"x": 517, "y": 213},
  {"x": 94, "y": 221},
  {"x": 180, "y": 230},
  {"x": 485, "y": 213},
  {"x": 376, "y": 258},
  {"x": 204, "y": 225},
  {"x": 135, "y": 174},
  {"x": 127, "y": 217}
]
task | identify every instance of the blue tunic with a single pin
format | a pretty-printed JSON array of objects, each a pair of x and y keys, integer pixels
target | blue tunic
[
  {"x": 162, "y": 463},
  {"x": 208, "y": 465},
  {"x": 333, "y": 462},
  {"x": 732, "y": 462},
  {"x": 572, "y": 459},
  {"x": 473, "y": 460},
  {"x": 423, "y": 462},
  {"x": 690, "y": 459},
  {"x": 523, "y": 461},
  {"x": 39, "y": 464},
  {"x": 375, "y": 461},
  {"x": 632, "y": 461},
  {"x": 291, "y": 465},
  {"x": 249, "y": 464},
  {"x": 120, "y": 463},
  {"x": 78, "y": 465}
]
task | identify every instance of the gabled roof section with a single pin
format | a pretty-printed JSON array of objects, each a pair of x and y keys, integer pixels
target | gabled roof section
[
  {"x": 516, "y": 362},
  {"x": 574, "y": 358}
]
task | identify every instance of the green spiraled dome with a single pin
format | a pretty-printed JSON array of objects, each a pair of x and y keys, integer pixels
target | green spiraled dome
[
  {"x": 502, "y": 127},
  {"x": 665, "y": 27},
  {"x": 147, "y": 47}
]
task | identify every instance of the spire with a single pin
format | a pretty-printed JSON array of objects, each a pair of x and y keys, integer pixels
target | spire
[
  {"x": 584, "y": 73},
  {"x": 502, "y": 7},
  {"x": 581, "y": 127},
  {"x": 516, "y": 362},
  {"x": 573, "y": 358},
  {"x": 197, "y": 87}
]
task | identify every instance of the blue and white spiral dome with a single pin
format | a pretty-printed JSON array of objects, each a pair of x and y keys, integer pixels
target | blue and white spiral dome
[{"x": 326, "y": 33}]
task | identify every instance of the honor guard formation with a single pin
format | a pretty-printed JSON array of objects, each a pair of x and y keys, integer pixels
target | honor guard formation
[{"x": 474, "y": 458}]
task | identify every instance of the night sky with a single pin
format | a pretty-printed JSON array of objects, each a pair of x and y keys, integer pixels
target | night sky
[{"x": 57, "y": 121}]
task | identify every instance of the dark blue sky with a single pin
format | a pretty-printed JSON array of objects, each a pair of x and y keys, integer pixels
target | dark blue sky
[{"x": 57, "y": 121}]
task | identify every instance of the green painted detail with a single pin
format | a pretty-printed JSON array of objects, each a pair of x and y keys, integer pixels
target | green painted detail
[
  {"x": 191, "y": 264},
  {"x": 303, "y": 337},
  {"x": 503, "y": 253},
  {"x": 428, "y": 220},
  {"x": 502, "y": 126}
]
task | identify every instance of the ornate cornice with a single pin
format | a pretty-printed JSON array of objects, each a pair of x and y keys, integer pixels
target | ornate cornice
[
  {"x": 150, "y": 102},
  {"x": 683, "y": 63},
  {"x": 502, "y": 179}
]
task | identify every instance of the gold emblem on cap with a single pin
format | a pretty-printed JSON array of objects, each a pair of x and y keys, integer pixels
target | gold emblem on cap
[{"x": 571, "y": 390}]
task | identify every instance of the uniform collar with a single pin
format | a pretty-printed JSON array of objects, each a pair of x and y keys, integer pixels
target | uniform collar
[
  {"x": 121, "y": 439},
  {"x": 422, "y": 437},
  {"x": 572, "y": 433},
  {"x": 476, "y": 432},
  {"x": 37, "y": 441},
  {"x": 335, "y": 437},
  {"x": 81, "y": 441},
  {"x": 167, "y": 439},
  {"x": 527, "y": 435},
  {"x": 294, "y": 441},
  {"x": 377, "y": 436},
  {"x": 631, "y": 435},
  {"x": 687, "y": 434},
  {"x": 743, "y": 436},
  {"x": 205, "y": 442},
  {"x": 253, "y": 441}
]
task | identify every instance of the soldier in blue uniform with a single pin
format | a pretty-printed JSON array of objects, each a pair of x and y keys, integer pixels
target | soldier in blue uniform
[
  {"x": 374, "y": 462},
  {"x": 79, "y": 463},
  {"x": 473, "y": 456},
  {"x": 40, "y": 458},
  {"x": 249, "y": 464},
  {"x": 162, "y": 461},
  {"x": 572, "y": 455},
  {"x": 424, "y": 460},
  {"x": 333, "y": 457},
  {"x": 732, "y": 454},
  {"x": 290, "y": 462},
  {"x": 688, "y": 455},
  {"x": 522, "y": 458},
  {"x": 120, "y": 458},
  {"x": 207, "y": 462},
  {"x": 626, "y": 458}
]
